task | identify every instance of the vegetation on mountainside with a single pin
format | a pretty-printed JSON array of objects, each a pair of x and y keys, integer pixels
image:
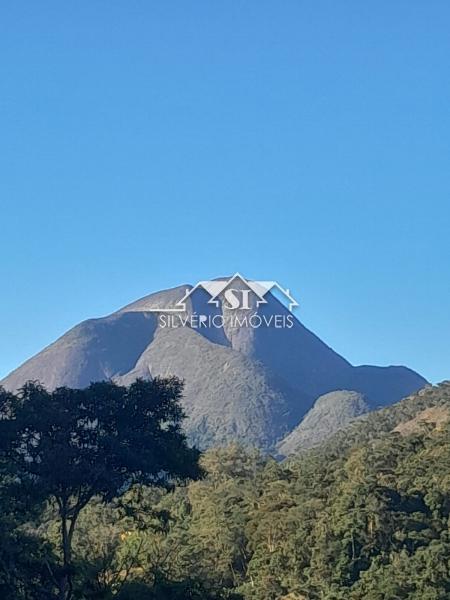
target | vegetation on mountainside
[{"x": 365, "y": 516}]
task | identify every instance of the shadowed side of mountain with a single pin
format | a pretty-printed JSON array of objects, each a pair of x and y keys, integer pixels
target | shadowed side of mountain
[
  {"x": 242, "y": 383},
  {"x": 227, "y": 397},
  {"x": 94, "y": 350},
  {"x": 307, "y": 363},
  {"x": 382, "y": 385},
  {"x": 293, "y": 352}
]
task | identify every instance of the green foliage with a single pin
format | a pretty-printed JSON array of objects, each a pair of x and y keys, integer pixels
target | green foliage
[
  {"x": 69, "y": 446},
  {"x": 365, "y": 516}
]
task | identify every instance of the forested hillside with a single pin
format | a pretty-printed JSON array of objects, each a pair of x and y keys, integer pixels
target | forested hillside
[{"x": 365, "y": 516}]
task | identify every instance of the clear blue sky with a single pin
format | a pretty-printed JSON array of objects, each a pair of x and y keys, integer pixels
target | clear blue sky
[{"x": 148, "y": 144}]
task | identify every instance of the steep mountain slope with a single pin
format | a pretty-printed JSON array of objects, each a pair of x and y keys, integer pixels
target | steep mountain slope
[
  {"x": 241, "y": 383},
  {"x": 227, "y": 395},
  {"x": 429, "y": 406},
  {"x": 330, "y": 413},
  {"x": 94, "y": 350}
]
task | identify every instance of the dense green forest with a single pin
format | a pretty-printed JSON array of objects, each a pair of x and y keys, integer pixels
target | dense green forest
[{"x": 364, "y": 516}]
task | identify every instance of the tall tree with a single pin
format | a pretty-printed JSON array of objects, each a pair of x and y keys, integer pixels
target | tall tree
[{"x": 71, "y": 445}]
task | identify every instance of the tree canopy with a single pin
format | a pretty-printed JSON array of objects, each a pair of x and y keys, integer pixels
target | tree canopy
[
  {"x": 366, "y": 515},
  {"x": 71, "y": 445}
]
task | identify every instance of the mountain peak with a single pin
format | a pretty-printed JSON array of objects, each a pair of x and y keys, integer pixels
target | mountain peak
[{"x": 242, "y": 383}]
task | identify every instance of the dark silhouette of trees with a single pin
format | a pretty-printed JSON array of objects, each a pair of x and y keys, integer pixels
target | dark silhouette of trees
[{"x": 72, "y": 445}]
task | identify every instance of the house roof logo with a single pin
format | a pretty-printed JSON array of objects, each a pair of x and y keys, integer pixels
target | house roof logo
[{"x": 222, "y": 290}]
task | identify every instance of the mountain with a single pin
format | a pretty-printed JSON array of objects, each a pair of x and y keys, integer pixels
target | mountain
[
  {"x": 427, "y": 408},
  {"x": 342, "y": 413},
  {"x": 330, "y": 413},
  {"x": 241, "y": 383}
]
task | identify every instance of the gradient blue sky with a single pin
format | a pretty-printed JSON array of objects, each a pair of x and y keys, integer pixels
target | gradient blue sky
[{"x": 148, "y": 144}]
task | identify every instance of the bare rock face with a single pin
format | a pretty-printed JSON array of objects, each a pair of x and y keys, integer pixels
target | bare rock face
[
  {"x": 252, "y": 385},
  {"x": 330, "y": 413}
]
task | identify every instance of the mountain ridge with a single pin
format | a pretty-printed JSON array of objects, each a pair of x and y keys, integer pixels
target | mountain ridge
[{"x": 252, "y": 385}]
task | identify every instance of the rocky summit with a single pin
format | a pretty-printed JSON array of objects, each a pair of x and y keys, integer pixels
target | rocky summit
[{"x": 252, "y": 381}]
